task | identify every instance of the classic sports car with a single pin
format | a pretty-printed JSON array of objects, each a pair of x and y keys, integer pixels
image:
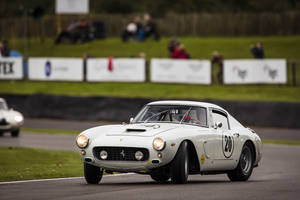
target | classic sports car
[
  {"x": 172, "y": 139},
  {"x": 10, "y": 120}
]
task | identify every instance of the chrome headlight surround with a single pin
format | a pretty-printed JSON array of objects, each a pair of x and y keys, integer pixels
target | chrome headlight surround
[
  {"x": 158, "y": 144},
  {"x": 82, "y": 141}
]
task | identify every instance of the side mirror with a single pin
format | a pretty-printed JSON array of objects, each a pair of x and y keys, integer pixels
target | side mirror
[
  {"x": 130, "y": 120},
  {"x": 218, "y": 125}
]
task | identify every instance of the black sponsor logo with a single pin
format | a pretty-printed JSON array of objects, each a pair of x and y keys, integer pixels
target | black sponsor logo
[
  {"x": 6, "y": 67},
  {"x": 273, "y": 73},
  {"x": 241, "y": 73},
  {"x": 48, "y": 68}
]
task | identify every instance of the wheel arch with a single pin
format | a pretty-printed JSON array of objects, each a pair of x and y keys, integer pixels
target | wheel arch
[
  {"x": 251, "y": 143},
  {"x": 194, "y": 163}
]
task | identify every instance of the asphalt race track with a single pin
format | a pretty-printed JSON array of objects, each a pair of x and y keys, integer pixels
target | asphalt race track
[{"x": 277, "y": 177}]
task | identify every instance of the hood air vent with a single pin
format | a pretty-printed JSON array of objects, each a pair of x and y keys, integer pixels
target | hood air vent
[{"x": 135, "y": 130}]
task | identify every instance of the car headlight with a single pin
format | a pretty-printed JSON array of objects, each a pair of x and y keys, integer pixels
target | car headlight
[
  {"x": 18, "y": 118},
  {"x": 158, "y": 144},
  {"x": 82, "y": 141}
]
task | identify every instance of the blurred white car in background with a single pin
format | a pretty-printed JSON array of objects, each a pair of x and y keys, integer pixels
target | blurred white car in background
[{"x": 10, "y": 120}]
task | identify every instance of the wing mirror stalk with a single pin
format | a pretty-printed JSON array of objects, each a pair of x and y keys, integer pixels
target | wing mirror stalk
[{"x": 218, "y": 125}]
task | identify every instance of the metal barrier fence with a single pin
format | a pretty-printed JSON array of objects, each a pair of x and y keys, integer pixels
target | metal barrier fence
[{"x": 21, "y": 70}]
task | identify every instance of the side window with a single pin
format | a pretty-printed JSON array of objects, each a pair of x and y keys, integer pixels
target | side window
[
  {"x": 202, "y": 116},
  {"x": 220, "y": 117}
]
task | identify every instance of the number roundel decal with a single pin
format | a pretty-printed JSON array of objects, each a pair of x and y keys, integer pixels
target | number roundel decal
[{"x": 228, "y": 145}]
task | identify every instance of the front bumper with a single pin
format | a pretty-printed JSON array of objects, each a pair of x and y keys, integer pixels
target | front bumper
[
  {"x": 10, "y": 127},
  {"x": 153, "y": 161}
]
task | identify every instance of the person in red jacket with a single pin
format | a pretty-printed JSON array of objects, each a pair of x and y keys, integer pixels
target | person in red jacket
[{"x": 180, "y": 53}]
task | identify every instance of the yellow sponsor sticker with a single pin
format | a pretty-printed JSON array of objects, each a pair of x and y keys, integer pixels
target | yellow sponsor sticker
[{"x": 202, "y": 159}]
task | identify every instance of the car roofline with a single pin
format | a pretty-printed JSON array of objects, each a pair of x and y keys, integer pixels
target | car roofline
[{"x": 185, "y": 103}]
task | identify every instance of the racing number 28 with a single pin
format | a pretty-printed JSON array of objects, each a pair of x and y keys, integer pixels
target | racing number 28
[{"x": 228, "y": 143}]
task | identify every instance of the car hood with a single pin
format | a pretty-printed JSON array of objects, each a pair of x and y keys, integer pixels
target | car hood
[
  {"x": 143, "y": 130},
  {"x": 8, "y": 114}
]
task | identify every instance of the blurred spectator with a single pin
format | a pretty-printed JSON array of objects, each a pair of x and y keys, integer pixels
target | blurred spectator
[
  {"x": 4, "y": 49},
  {"x": 70, "y": 33},
  {"x": 84, "y": 29},
  {"x": 76, "y": 31},
  {"x": 173, "y": 44},
  {"x": 218, "y": 59},
  {"x": 257, "y": 50},
  {"x": 142, "y": 55},
  {"x": 132, "y": 30},
  {"x": 149, "y": 29},
  {"x": 180, "y": 53}
]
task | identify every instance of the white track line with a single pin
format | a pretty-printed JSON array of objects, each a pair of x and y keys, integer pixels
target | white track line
[{"x": 57, "y": 179}]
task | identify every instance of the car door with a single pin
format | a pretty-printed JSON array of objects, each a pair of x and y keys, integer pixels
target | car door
[{"x": 225, "y": 140}]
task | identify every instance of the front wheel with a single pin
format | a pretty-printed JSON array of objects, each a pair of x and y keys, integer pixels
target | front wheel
[
  {"x": 92, "y": 174},
  {"x": 245, "y": 166},
  {"x": 180, "y": 165}
]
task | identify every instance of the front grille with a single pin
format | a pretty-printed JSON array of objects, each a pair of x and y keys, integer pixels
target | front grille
[
  {"x": 121, "y": 153},
  {"x": 3, "y": 122}
]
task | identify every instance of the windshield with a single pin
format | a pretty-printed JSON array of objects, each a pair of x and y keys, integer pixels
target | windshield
[
  {"x": 172, "y": 113},
  {"x": 3, "y": 105}
]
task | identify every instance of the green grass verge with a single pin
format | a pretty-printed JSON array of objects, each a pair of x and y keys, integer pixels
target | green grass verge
[
  {"x": 285, "y": 142},
  {"x": 26, "y": 163},
  {"x": 199, "y": 47},
  {"x": 156, "y": 91},
  {"x": 50, "y": 131}
]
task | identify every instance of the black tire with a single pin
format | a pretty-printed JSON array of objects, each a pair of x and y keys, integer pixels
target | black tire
[
  {"x": 160, "y": 176},
  {"x": 1, "y": 134},
  {"x": 15, "y": 133},
  {"x": 180, "y": 165},
  {"x": 245, "y": 166},
  {"x": 92, "y": 174}
]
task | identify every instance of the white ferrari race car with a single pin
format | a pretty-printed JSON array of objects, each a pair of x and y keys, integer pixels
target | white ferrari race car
[
  {"x": 171, "y": 140},
  {"x": 10, "y": 120}
]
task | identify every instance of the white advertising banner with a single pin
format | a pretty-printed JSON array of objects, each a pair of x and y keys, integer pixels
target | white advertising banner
[
  {"x": 72, "y": 6},
  {"x": 55, "y": 69},
  {"x": 11, "y": 68},
  {"x": 119, "y": 69},
  {"x": 255, "y": 71},
  {"x": 181, "y": 71}
]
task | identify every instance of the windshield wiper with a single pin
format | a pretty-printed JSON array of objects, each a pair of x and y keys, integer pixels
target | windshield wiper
[
  {"x": 155, "y": 115},
  {"x": 186, "y": 113}
]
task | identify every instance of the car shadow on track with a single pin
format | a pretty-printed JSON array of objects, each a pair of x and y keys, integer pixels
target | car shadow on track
[{"x": 190, "y": 182}]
